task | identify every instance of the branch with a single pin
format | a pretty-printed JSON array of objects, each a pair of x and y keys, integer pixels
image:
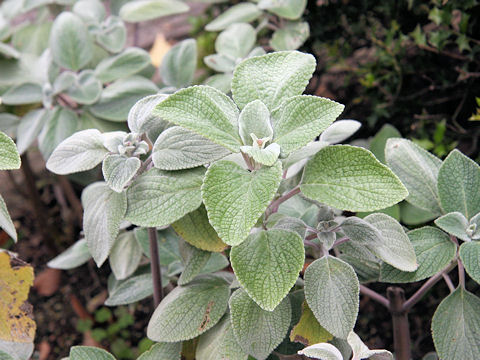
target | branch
[
  {"x": 374, "y": 296},
  {"x": 461, "y": 274},
  {"x": 155, "y": 266},
  {"x": 276, "y": 203},
  {"x": 449, "y": 282}
]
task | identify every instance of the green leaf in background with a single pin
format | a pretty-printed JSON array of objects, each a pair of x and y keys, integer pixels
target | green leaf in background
[
  {"x": 131, "y": 290},
  {"x": 290, "y": 37},
  {"x": 179, "y": 64},
  {"x": 113, "y": 34},
  {"x": 91, "y": 11},
  {"x": 158, "y": 198},
  {"x": 140, "y": 117},
  {"x": 377, "y": 145},
  {"x": 244, "y": 195},
  {"x": 80, "y": 152},
  {"x": 125, "y": 255},
  {"x": 70, "y": 42},
  {"x": 9, "y": 123},
  {"x": 9, "y": 157},
  {"x": 205, "y": 111},
  {"x": 86, "y": 88},
  {"x": 267, "y": 156},
  {"x": 470, "y": 256},
  {"x": 195, "y": 261},
  {"x": 89, "y": 353},
  {"x": 434, "y": 251},
  {"x": 195, "y": 229},
  {"x": 76, "y": 255},
  {"x": 163, "y": 351},
  {"x": 26, "y": 93},
  {"x": 178, "y": 148},
  {"x": 30, "y": 127},
  {"x": 308, "y": 331},
  {"x": 258, "y": 331},
  {"x": 32, "y": 39},
  {"x": 418, "y": 171},
  {"x": 119, "y": 170},
  {"x": 221, "y": 82},
  {"x": 220, "y": 63},
  {"x": 332, "y": 292},
  {"x": 267, "y": 264},
  {"x": 254, "y": 119},
  {"x": 323, "y": 351},
  {"x": 6, "y": 222},
  {"x": 339, "y": 131},
  {"x": 412, "y": 215},
  {"x": 220, "y": 343},
  {"x": 361, "y": 351},
  {"x": 241, "y": 13},
  {"x": 143, "y": 10},
  {"x": 455, "y": 224},
  {"x": 351, "y": 178},
  {"x": 458, "y": 184},
  {"x": 118, "y": 97},
  {"x": 455, "y": 326},
  {"x": 288, "y": 9},
  {"x": 128, "y": 62},
  {"x": 104, "y": 210},
  {"x": 272, "y": 78},
  {"x": 300, "y": 119},
  {"x": 236, "y": 41},
  {"x": 188, "y": 311}
]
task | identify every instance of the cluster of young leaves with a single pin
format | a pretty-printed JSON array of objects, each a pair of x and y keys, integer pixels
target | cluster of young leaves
[{"x": 225, "y": 173}]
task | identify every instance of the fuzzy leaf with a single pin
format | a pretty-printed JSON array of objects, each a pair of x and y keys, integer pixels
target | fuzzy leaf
[
  {"x": 290, "y": 37},
  {"x": 339, "y": 131},
  {"x": 258, "y": 331},
  {"x": 361, "y": 351},
  {"x": 196, "y": 260},
  {"x": 9, "y": 157},
  {"x": 288, "y": 9},
  {"x": 189, "y": 311},
  {"x": 112, "y": 35},
  {"x": 131, "y": 290},
  {"x": 458, "y": 184},
  {"x": 89, "y": 353},
  {"x": 128, "y": 62},
  {"x": 323, "y": 351},
  {"x": 240, "y": 13},
  {"x": 143, "y": 10},
  {"x": 140, "y": 117},
  {"x": 377, "y": 145},
  {"x": 163, "y": 351},
  {"x": 267, "y": 156},
  {"x": 6, "y": 222},
  {"x": 470, "y": 256},
  {"x": 332, "y": 292},
  {"x": 272, "y": 78},
  {"x": 179, "y": 64},
  {"x": 158, "y": 198},
  {"x": 26, "y": 93},
  {"x": 254, "y": 119},
  {"x": 104, "y": 210},
  {"x": 86, "y": 88},
  {"x": 235, "y": 198},
  {"x": 125, "y": 255},
  {"x": 118, "y": 170},
  {"x": 76, "y": 255},
  {"x": 455, "y": 224},
  {"x": 30, "y": 126},
  {"x": 418, "y": 171},
  {"x": 60, "y": 124},
  {"x": 434, "y": 251},
  {"x": 308, "y": 331},
  {"x": 236, "y": 41},
  {"x": 350, "y": 178},
  {"x": 455, "y": 326}
]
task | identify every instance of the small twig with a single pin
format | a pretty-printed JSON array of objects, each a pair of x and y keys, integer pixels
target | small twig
[
  {"x": 449, "y": 282},
  {"x": 311, "y": 244},
  {"x": 273, "y": 207},
  {"x": 155, "y": 267},
  {"x": 340, "y": 241},
  {"x": 67, "y": 101},
  {"x": 461, "y": 274},
  {"x": 374, "y": 296}
]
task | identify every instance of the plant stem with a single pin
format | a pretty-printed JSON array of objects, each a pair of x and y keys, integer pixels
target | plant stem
[
  {"x": 449, "y": 282},
  {"x": 461, "y": 274},
  {"x": 72, "y": 198},
  {"x": 374, "y": 296},
  {"x": 401, "y": 328},
  {"x": 273, "y": 207},
  {"x": 155, "y": 267}
]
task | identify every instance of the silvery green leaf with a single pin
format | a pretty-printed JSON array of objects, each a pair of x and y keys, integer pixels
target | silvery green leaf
[
  {"x": 236, "y": 41},
  {"x": 178, "y": 148},
  {"x": 188, "y": 311},
  {"x": 104, "y": 209},
  {"x": 125, "y": 255},
  {"x": 267, "y": 265},
  {"x": 288, "y": 9},
  {"x": 418, "y": 171},
  {"x": 272, "y": 78},
  {"x": 470, "y": 256},
  {"x": 220, "y": 62},
  {"x": 205, "y": 111},
  {"x": 412, "y": 215},
  {"x": 143, "y": 10},
  {"x": 434, "y": 251},
  {"x": 118, "y": 170},
  {"x": 258, "y": 51},
  {"x": 63, "y": 81},
  {"x": 323, "y": 351},
  {"x": 60, "y": 124},
  {"x": 128, "y": 62},
  {"x": 361, "y": 351},
  {"x": 377, "y": 145},
  {"x": 455, "y": 224},
  {"x": 241, "y": 13},
  {"x": 118, "y": 97},
  {"x": 80, "y": 152},
  {"x": 8, "y": 51},
  {"x": 258, "y": 331},
  {"x": 254, "y": 119},
  {"x": 6, "y": 222},
  {"x": 219, "y": 343},
  {"x": 131, "y": 290},
  {"x": 215, "y": 263},
  {"x": 70, "y": 42},
  {"x": 458, "y": 184},
  {"x": 26, "y": 93},
  {"x": 112, "y": 35},
  {"x": 20, "y": 351},
  {"x": 344, "y": 176},
  {"x": 300, "y": 119},
  {"x": 86, "y": 88},
  {"x": 9, "y": 123},
  {"x": 473, "y": 230},
  {"x": 33, "y": 38},
  {"x": 267, "y": 156},
  {"x": 167, "y": 244},
  {"x": 305, "y": 152},
  {"x": 195, "y": 261},
  {"x": 289, "y": 223},
  {"x": 5, "y": 356},
  {"x": 245, "y": 195},
  {"x": 140, "y": 117},
  {"x": 9, "y": 157},
  {"x": 221, "y": 82},
  {"x": 384, "y": 237},
  {"x": 158, "y": 198},
  {"x": 89, "y": 353},
  {"x": 339, "y": 131},
  {"x": 432, "y": 355},
  {"x": 179, "y": 64},
  {"x": 76, "y": 255},
  {"x": 91, "y": 11},
  {"x": 163, "y": 351},
  {"x": 113, "y": 139},
  {"x": 30, "y": 126},
  {"x": 332, "y": 292},
  {"x": 455, "y": 326},
  {"x": 290, "y": 37}
]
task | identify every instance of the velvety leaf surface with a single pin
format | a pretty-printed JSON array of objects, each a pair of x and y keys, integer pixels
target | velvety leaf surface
[
  {"x": 240, "y": 13},
  {"x": 74, "y": 256},
  {"x": 9, "y": 157},
  {"x": 131, "y": 290},
  {"x": 195, "y": 261},
  {"x": 89, "y": 353},
  {"x": 128, "y": 62},
  {"x": 455, "y": 224},
  {"x": 288, "y": 9},
  {"x": 140, "y": 117},
  {"x": 308, "y": 331},
  {"x": 255, "y": 119},
  {"x": 361, "y": 351},
  {"x": 377, "y": 145},
  {"x": 163, "y": 351},
  {"x": 470, "y": 256},
  {"x": 60, "y": 124},
  {"x": 291, "y": 36},
  {"x": 179, "y": 64},
  {"x": 236, "y": 41},
  {"x": 125, "y": 255},
  {"x": 143, "y": 10},
  {"x": 323, "y": 351},
  {"x": 339, "y": 131},
  {"x": 118, "y": 170},
  {"x": 6, "y": 222},
  {"x": 26, "y": 93}
]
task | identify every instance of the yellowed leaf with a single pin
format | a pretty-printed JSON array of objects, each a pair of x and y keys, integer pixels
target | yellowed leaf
[
  {"x": 308, "y": 331},
  {"x": 16, "y": 317},
  {"x": 159, "y": 48}
]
